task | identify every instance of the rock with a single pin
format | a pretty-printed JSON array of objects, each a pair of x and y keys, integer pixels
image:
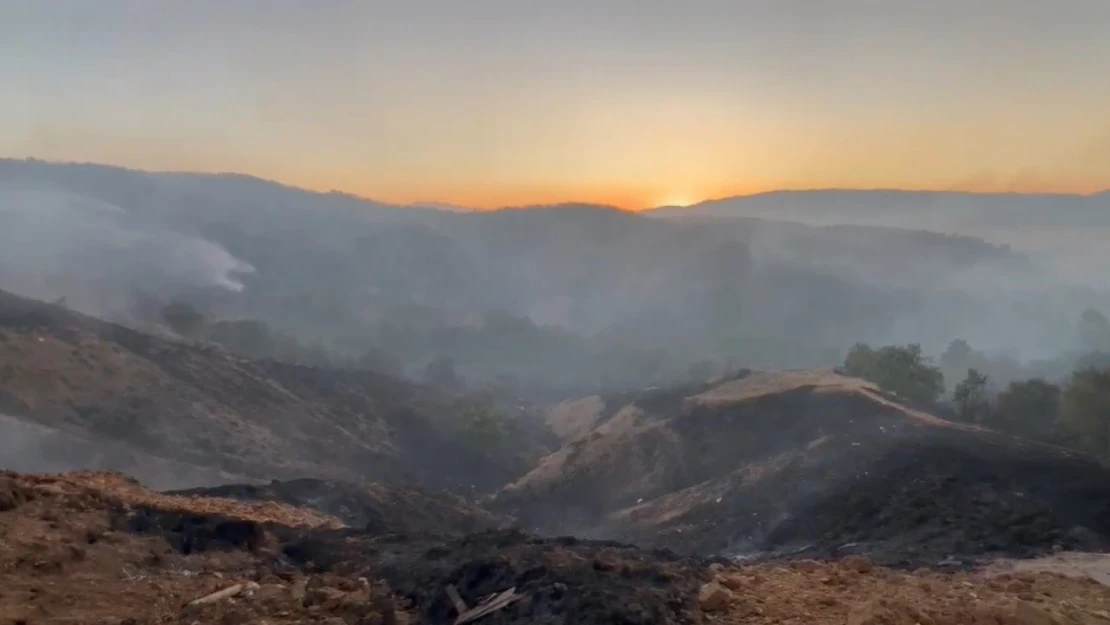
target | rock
[
  {"x": 733, "y": 582},
  {"x": 714, "y": 597},
  {"x": 298, "y": 592},
  {"x": 858, "y": 563}
]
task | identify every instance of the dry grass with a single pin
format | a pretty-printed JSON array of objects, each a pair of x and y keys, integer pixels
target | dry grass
[{"x": 118, "y": 489}]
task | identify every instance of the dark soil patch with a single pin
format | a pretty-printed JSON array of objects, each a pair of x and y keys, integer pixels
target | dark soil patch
[
  {"x": 188, "y": 533},
  {"x": 951, "y": 498},
  {"x": 563, "y": 580}
]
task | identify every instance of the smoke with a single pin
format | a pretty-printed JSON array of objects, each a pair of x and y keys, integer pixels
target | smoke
[
  {"x": 55, "y": 244},
  {"x": 30, "y": 447}
]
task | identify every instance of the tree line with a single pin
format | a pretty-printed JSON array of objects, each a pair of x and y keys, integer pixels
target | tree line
[{"x": 1074, "y": 412}]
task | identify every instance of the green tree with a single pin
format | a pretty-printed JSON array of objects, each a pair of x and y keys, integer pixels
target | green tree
[
  {"x": 1094, "y": 331},
  {"x": 971, "y": 398},
  {"x": 902, "y": 370},
  {"x": 183, "y": 318},
  {"x": 1085, "y": 411},
  {"x": 1029, "y": 408}
]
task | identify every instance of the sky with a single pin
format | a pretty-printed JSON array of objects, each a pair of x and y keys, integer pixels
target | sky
[{"x": 488, "y": 103}]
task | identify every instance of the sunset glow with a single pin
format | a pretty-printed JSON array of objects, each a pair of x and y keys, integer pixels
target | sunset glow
[{"x": 429, "y": 101}]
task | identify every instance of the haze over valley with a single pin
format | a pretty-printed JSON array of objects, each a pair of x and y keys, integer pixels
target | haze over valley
[{"x": 568, "y": 296}]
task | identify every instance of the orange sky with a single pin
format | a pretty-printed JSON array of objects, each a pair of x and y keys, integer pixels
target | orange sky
[{"x": 506, "y": 103}]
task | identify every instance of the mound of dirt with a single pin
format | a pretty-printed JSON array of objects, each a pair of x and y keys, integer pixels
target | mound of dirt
[
  {"x": 375, "y": 507},
  {"x": 202, "y": 406},
  {"x": 95, "y": 548},
  {"x": 98, "y": 549},
  {"x": 810, "y": 463}
]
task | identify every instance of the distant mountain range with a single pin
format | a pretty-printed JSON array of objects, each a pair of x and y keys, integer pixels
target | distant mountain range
[
  {"x": 781, "y": 279},
  {"x": 935, "y": 210}
]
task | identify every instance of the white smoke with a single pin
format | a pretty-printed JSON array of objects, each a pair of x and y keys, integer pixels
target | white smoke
[{"x": 55, "y": 244}]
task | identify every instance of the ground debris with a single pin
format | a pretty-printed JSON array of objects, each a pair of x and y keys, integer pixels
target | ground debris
[
  {"x": 488, "y": 605},
  {"x": 226, "y": 593}
]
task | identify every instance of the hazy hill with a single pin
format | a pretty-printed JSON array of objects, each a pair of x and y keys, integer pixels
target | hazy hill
[
  {"x": 934, "y": 210},
  {"x": 572, "y": 295},
  {"x": 1067, "y": 228},
  {"x": 100, "y": 387}
]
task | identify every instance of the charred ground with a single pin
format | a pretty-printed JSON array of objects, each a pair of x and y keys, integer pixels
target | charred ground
[{"x": 812, "y": 463}]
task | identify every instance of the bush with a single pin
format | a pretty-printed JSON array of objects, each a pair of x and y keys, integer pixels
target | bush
[
  {"x": 902, "y": 370},
  {"x": 1085, "y": 411},
  {"x": 1030, "y": 408}
]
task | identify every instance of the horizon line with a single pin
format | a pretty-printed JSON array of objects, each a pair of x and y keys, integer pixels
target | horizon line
[{"x": 449, "y": 206}]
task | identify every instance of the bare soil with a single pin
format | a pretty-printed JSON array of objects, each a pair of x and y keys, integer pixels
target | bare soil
[{"x": 96, "y": 548}]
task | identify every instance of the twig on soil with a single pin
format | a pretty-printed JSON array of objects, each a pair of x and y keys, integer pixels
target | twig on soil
[
  {"x": 133, "y": 575},
  {"x": 226, "y": 593},
  {"x": 491, "y": 604}
]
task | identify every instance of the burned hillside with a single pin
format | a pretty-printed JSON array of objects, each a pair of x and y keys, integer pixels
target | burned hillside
[
  {"x": 200, "y": 405},
  {"x": 811, "y": 463}
]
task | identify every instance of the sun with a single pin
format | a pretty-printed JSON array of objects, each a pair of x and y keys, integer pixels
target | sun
[{"x": 677, "y": 200}]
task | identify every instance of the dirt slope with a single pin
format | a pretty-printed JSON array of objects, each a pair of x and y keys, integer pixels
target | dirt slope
[
  {"x": 200, "y": 405},
  {"x": 811, "y": 463},
  {"x": 98, "y": 549}
]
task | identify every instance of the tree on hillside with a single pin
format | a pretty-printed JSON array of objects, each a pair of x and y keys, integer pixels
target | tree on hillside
[
  {"x": 902, "y": 370},
  {"x": 1094, "y": 331},
  {"x": 1029, "y": 408},
  {"x": 957, "y": 356},
  {"x": 971, "y": 398},
  {"x": 1085, "y": 411},
  {"x": 182, "y": 317}
]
